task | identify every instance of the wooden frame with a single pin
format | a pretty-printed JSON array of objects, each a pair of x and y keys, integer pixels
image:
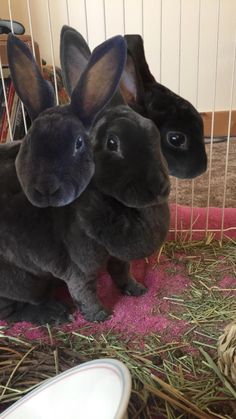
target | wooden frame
[
  {"x": 26, "y": 39},
  {"x": 221, "y": 121}
]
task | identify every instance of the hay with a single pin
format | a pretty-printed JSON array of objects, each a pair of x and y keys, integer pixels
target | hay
[{"x": 176, "y": 379}]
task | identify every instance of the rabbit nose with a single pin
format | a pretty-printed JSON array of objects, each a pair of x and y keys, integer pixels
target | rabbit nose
[{"x": 47, "y": 190}]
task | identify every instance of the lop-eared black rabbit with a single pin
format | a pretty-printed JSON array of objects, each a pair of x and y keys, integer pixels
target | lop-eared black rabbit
[
  {"x": 179, "y": 123},
  {"x": 54, "y": 165}
]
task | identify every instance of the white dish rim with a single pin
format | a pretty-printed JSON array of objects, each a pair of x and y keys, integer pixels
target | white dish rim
[{"x": 123, "y": 373}]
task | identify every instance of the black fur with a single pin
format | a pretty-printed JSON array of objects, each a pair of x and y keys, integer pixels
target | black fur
[
  {"x": 169, "y": 111},
  {"x": 137, "y": 174}
]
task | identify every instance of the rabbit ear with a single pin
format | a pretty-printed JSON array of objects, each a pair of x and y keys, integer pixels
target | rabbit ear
[
  {"x": 100, "y": 79},
  {"x": 36, "y": 93},
  {"x": 74, "y": 55},
  {"x": 136, "y": 50},
  {"x": 131, "y": 84}
]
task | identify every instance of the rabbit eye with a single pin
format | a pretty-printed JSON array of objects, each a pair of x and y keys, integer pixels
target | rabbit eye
[
  {"x": 112, "y": 142},
  {"x": 177, "y": 140},
  {"x": 78, "y": 143}
]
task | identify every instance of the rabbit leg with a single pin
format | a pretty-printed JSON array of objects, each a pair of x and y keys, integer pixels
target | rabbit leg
[
  {"x": 120, "y": 273},
  {"x": 82, "y": 288}
]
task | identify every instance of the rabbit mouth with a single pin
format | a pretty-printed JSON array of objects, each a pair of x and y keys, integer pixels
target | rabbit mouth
[
  {"x": 189, "y": 172},
  {"x": 49, "y": 201},
  {"x": 55, "y": 198}
]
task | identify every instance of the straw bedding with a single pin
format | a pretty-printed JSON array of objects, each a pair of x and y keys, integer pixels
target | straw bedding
[{"x": 167, "y": 338}]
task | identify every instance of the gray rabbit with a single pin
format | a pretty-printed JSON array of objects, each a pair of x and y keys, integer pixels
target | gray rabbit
[{"x": 54, "y": 165}]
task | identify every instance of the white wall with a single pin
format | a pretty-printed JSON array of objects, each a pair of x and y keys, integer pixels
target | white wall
[{"x": 180, "y": 56}]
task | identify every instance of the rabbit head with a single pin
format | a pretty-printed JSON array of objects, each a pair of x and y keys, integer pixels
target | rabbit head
[
  {"x": 179, "y": 123},
  {"x": 129, "y": 165},
  {"x": 55, "y": 161}
]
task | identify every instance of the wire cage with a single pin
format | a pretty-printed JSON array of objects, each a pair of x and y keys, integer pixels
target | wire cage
[
  {"x": 168, "y": 336},
  {"x": 191, "y": 48}
]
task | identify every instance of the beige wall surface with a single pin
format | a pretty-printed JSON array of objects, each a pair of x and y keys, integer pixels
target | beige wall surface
[{"x": 190, "y": 44}]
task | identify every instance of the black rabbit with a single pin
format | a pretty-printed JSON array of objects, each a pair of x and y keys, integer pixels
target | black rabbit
[
  {"x": 179, "y": 123},
  {"x": 54, "y": 164},
  {"x": 125, "y": 206}
]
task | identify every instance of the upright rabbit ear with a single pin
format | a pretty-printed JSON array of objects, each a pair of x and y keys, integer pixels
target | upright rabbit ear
[
  {"x": 74, "y": 55},
  {"x": 136, "y": 50},
  {"x": 35, "y": 92},
  {"x": 100, "y": 79},
  {"x": 131, "y": 86}
]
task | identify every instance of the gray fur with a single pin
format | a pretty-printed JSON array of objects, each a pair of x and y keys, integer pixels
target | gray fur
[{"x": 35, "y": 241}]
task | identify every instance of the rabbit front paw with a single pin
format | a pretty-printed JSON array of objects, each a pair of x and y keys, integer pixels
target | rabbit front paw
[
  {"x": 100, "y": 314},
  {"x": 133, "y": 288}
]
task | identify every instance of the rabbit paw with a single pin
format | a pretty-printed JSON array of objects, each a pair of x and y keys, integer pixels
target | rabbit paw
[
  {"x": 100, "y": 315},
  {"x": 51, "y": 312},
  {"x": 134, "y": 288}
]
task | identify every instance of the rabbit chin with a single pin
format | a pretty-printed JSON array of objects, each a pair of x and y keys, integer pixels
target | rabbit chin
[
  {"x": 60, "y": 199},
  {"x": 183, "y": 166},
  {"x": 147, "y": 199},
  {"x": 181, "y": 172}
]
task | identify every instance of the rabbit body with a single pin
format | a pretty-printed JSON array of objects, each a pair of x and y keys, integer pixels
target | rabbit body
[
  {"x": 46, "y": 243},
  {"x": 38, "y": 242},
  {"x": 125, "y": 206}
]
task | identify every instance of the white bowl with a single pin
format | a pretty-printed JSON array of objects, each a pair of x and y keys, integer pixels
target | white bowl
[{"x": 97, "y": 389}]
